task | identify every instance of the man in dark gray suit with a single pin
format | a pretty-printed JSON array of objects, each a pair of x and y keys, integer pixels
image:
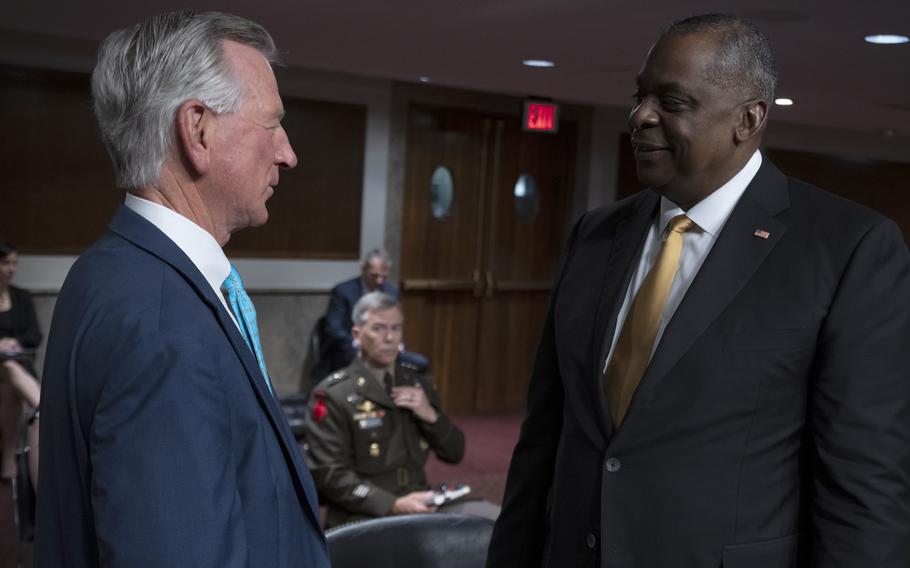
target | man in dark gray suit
[
  {"x": 724, "y": 374},
  {"x": 162, "y": 441},
  {"x": 339, "y": 348}
]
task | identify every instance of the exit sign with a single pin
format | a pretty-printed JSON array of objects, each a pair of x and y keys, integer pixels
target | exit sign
[{"x": 540, "y": 116}]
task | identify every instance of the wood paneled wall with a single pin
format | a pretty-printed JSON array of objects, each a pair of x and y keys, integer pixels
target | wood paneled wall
[
  {"x": 58, "y": 189},
  {"x": 878, "y": 184}
]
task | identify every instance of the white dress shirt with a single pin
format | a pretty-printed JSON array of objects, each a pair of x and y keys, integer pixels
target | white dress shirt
[
  {"x": 709, "y": 215},
  {"x": 196, "y": 243}
]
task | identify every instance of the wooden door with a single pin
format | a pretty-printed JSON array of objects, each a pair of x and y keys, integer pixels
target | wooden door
[{"x": 476, "y": 281}]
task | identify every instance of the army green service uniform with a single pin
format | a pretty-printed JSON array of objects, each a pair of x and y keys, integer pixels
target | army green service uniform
[{"x": 365, "y": 452}]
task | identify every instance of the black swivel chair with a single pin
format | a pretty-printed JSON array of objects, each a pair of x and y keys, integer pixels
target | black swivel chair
[{"x": 436, "y": 540}]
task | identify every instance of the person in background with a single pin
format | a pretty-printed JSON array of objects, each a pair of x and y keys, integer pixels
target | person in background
[
  {"x": 163, "y": 443},
  {"x": 371, "y": 426},
  {"x": 19, "y": 399},
  {"x": 340, "y": 347},
  {"x": 19, "y": 337},
  {"x": 723, "y": 377}
]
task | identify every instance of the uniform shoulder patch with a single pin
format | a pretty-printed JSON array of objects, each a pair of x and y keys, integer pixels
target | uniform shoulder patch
[
  {"x": 320, "y": 409},
  {"x": 336, "y": 378}
]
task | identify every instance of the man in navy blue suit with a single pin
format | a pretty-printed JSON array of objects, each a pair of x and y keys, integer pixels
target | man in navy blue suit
[
  {"x": 339, "y": 349},
  {"x": 162, "y": 441}
]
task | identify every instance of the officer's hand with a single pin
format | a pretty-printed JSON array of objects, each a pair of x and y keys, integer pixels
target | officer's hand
[
  {"x": 10, "y": 345},
  {"x": 415, "y": 400},
  {"x": 415, "y": 502}
]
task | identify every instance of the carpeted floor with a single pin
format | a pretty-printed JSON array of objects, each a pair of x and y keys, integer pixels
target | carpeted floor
[{"x": 489, "y": 441}]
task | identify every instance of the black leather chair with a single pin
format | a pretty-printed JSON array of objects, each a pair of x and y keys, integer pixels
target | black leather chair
[{"x": 436, "y": 540}]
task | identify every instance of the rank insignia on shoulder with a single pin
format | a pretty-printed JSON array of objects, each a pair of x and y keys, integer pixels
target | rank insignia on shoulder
[
  {"x": 361, "y": 381},
  {"x": 361, "y": 491},
  {"x": 335, "y": 378}
]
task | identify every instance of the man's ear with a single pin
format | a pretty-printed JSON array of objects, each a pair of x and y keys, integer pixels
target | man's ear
[
  {"x": 355, "y": 332},
  {"x": 194, "y": 134},
  {"x": 752, "y": 118}
]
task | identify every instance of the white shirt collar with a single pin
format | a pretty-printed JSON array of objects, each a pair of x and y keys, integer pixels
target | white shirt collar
[
  {"x": 197, "y": 243},
  {"x": 712, "y": 212}
]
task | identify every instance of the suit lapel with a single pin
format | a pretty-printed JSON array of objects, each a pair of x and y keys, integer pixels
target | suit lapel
[
  {"x": 139, "y": 231},
  {"x": 733, "y": 260},
  {"x": 608, "y": 254},
  {"x": 630, "y": 237}
]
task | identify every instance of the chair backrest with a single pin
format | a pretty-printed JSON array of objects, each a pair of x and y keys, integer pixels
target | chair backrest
[
  {"x": 314, "y": 361},
  {"x": 436, "y": 540}
]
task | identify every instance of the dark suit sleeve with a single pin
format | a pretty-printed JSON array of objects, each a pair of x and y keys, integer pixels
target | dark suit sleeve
[
  {"x": 860, "y": 411},
  {"x": 520, "y": 533},
  {"x": 163, "y": 490},
  {"x": 391, "y": 291},
  {"x": 336, "y": 317}
]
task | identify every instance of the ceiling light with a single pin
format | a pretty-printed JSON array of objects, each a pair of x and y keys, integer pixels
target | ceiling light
[
  {"x": 887, "y": 39},
  {"x": 538, "y": 63},
  {"x": 784, "y": 102},
  {"x": 423, "y": 79}
]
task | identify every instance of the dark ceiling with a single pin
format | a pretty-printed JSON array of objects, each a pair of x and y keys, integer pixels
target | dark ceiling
[{"x": 836, "y": 79}]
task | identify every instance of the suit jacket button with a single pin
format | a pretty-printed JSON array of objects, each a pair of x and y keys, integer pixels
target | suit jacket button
[
  {"x": 613, "y": 465},
  {"x": 592, "y": 540}
]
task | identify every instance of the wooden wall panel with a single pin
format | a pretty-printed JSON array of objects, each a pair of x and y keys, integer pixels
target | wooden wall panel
[
  {"x": 58, "y": 190},
  {"x": 316, "y": 209},
  {"x": 881, "y": 185}
]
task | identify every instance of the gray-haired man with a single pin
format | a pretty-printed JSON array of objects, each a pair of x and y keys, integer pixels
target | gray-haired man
[
  {"x": 372, "y": 424},
  {"x": 162, "y": 442}
]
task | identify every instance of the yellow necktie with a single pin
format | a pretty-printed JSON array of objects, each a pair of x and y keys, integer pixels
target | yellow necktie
[{"x": 636, "y": 340}]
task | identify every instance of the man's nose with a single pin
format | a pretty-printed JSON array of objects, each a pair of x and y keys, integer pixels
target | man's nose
[
  {"x": 285, "y": 156},
  {"x": 643, "y": 114}
]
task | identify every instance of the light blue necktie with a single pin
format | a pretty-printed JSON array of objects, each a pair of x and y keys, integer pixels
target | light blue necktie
[{"x": 245, "y": 313}]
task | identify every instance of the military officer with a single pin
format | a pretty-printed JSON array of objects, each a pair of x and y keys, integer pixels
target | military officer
[{"x": 371, "y": 425}]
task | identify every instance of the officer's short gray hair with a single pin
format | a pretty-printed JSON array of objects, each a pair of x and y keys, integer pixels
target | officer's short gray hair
[
  {"x": 145, "y": 72},
  {"x": 372, "y": 302}
]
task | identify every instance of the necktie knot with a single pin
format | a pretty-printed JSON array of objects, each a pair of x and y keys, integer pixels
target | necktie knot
[
  {"x": 680, "y": 224},
  {"x": 233, "y": 283},
  {"x": 389, "y": 382}
]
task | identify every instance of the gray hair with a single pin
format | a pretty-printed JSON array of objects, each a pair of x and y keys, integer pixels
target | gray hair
[
  {"x": 744, "y": 55},
  {"x": 372, "y": 302},
  {"x": 145, "y": 72},
  {"x": 379, "y": 254}
]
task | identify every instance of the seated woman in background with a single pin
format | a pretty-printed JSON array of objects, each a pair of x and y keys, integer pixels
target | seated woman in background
[{"x": 19, "y": 336}]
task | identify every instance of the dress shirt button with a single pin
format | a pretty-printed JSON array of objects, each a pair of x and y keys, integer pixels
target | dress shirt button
[
  {"x": 613, "y": 465},
  {"x": 592, "y": 540}
]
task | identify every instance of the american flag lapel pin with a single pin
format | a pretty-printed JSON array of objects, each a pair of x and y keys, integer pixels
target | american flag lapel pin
[{"x": 761, "y": 233}]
